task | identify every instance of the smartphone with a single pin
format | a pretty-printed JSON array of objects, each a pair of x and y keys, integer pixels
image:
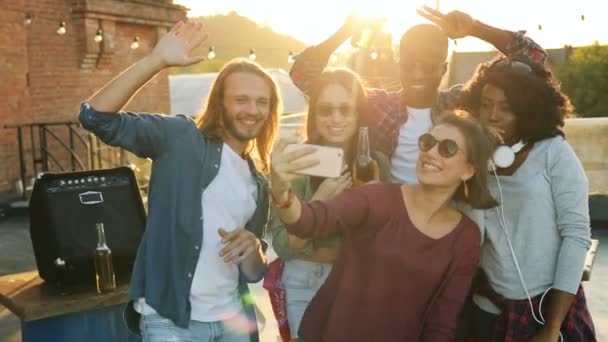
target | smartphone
[{"x": 330, "y": 159}]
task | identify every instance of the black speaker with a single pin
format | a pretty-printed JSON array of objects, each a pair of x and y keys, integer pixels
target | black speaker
[{"x": 64, "y": 209}]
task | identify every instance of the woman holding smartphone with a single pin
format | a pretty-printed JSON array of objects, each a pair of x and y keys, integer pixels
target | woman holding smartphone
[
  {"x": 408, "y": 257},
  {"x": 336, "y": 99}
]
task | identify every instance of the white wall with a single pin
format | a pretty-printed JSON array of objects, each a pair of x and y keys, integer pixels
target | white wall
[{"x": 589, "y": 138}]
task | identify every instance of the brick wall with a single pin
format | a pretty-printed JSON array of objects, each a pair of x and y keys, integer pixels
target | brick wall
[
  {"x": 66, "y": 69},
  {"x": 14, "y": 93}
]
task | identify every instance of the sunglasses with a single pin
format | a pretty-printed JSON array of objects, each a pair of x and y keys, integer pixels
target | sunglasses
[
  {"x": 326, "y": 110},
  {"x": 447, "y": 148}
]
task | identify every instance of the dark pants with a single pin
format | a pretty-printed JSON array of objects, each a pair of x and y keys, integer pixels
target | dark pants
[
  {"x": 483, "y": 325},
  {"x": 475, "y": 322}
]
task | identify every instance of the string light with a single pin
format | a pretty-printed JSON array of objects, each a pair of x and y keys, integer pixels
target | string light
[
  {"x": 99, "y": 36},
  {"x": 61, "y": 30},
  {"x": 135, "y": 44}
]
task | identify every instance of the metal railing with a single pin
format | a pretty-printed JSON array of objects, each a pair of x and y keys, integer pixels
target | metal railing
[{"x": 67, "y": 136}]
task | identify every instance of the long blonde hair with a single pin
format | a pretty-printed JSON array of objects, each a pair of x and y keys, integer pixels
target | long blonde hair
[{"x": 210, "y": 122}]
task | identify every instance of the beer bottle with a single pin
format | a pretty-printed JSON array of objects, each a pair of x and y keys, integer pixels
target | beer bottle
[
  {"x": 104, "y": 269},
  {"x": 364, "y": 39},
  {"x": 365, "y": 168}
]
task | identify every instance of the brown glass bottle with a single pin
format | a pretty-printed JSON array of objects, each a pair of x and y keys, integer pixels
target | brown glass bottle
[
  {"x": 104, "y": 269},
  {"x": 365, "y": 38},
  {"x": 364, "y": 168}
]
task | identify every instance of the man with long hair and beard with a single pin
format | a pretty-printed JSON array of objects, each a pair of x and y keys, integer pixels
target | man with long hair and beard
[{"x": 208, "y": 203}]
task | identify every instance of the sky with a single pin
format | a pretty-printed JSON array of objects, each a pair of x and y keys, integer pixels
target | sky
[{"x": 311, "y": 21}]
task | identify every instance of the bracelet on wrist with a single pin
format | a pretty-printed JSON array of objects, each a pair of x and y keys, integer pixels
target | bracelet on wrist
[{"x": 286, "y": 204}]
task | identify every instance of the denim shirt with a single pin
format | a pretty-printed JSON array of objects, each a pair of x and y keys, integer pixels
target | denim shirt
[{"x": 184, "y": 164}]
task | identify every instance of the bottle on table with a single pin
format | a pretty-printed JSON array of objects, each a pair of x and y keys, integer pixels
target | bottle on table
[{"x": 104, "y": 269}]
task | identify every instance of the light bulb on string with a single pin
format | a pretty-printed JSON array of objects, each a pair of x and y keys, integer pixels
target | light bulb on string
[
  {"x": 290, "y": 58},
  {"x": 374, "y": 55},
  {"x": 252, "y": 55},
  {"x": 61, "y": 30},
  {"x": 28, "y": 19},
  {"x": 135, "y": 44},
  {"x": 211, "y": 54},
  {"x": 99, "y": 36},
  {"x": 540, "y": 27},
  {"x": 582, "y": 17}
]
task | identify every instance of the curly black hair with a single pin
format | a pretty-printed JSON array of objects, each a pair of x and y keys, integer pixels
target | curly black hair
[{"x": 533, "y": 94}]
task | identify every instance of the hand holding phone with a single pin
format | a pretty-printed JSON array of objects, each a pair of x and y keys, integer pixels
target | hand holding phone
[
  {"x": 330, "y": 160},
  {"x": 283, "y": 165}
]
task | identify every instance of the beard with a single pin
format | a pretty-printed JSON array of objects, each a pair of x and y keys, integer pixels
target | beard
[
  {"x": 241, "y": 134},
  {"x": 423, "y": 96}
]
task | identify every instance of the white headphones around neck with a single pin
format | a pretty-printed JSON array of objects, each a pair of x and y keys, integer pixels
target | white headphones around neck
[{"x": 504, "y": 155}]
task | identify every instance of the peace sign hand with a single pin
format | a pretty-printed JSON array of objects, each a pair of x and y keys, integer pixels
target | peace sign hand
[{"x": 455, "y": 24}]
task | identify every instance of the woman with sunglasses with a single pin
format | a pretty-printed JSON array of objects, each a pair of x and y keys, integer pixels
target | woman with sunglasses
[
  {"x": 408, "y": 257},
  {"x": 536, "y": 240},
  {"x": 336, "y": 99}
]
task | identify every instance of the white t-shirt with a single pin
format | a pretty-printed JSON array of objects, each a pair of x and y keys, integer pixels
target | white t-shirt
[
  {"x": 228, "y": 202},
  {"x": 403, "y": 162}
]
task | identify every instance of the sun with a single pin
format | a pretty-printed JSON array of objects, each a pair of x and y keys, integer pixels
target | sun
[{"x": 315, "y": 20}]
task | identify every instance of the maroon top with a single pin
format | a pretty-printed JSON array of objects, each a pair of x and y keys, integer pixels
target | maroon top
[{"x": 390, "y": 282}]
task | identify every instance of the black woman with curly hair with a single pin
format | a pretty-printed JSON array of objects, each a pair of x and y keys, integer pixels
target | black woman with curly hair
[{"x": 537, "y": 238}]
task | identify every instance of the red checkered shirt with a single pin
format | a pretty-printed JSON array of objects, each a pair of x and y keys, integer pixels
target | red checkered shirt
[{"x": 388, "y": 114}]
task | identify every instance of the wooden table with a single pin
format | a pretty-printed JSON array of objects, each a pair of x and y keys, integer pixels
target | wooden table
[{"x": 75, "y": 315}]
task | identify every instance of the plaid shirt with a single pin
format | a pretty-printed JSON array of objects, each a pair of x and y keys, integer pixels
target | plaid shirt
[
  {"x": 278, "y": 296},
  {"x": 516, "y": 323},
  {"x": 388, "y": 113}
]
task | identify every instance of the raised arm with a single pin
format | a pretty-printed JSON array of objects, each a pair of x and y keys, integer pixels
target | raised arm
[
  {"x": 142, "y": 134},
  {"x": 309, "y": 64},
  {"x": 173, "y": 49},
  {"x": 457, "y": 24}
]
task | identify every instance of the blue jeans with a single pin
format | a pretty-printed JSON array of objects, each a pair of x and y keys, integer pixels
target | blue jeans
[
  {"x": 155, "y": 328},
  {"x": 301, "y": 280}
]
